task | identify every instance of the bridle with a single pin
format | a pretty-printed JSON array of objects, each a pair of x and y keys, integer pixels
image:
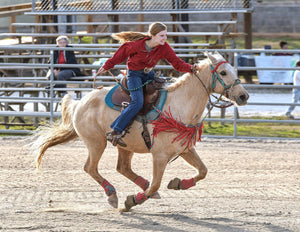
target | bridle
[{"x": 226, "y": 88}]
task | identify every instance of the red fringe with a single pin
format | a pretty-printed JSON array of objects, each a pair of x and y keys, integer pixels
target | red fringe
[{"x": 167, "y": 123}]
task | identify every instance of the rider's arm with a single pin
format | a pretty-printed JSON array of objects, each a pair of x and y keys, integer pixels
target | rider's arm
[
  {"x": 120, "y": 56},
  {"x": 175, "y": 61}
]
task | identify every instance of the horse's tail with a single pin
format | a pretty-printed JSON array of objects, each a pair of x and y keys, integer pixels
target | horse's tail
[{"x": 58, "y": 133}]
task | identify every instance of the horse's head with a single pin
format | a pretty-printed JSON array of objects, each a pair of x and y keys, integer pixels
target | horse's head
[{"x": 225, "y": 80}]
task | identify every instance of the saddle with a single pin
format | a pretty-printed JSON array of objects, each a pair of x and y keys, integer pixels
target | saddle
[{"x": 121, "y": 96}]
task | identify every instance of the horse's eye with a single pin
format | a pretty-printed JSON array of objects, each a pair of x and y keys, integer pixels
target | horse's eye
[{"x": 223, "y": 73}]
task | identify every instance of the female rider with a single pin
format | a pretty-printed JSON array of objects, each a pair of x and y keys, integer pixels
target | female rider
[{"x": 143, "y": 52}]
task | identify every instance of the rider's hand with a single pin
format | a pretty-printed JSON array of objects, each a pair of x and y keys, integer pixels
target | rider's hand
[
  {"x": 101, "y": 70},
  {"x": 194, "y": 67}
]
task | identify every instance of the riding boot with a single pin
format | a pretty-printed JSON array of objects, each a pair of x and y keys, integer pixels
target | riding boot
[{"x": 115, "y": 138}]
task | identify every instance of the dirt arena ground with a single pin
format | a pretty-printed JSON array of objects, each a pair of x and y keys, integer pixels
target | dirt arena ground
[{"x": 252, "y": 185}]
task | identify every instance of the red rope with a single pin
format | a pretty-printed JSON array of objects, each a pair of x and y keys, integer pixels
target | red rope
[
  {"x": 222, "y": 62},
  {"x": 187, "y": 134}
]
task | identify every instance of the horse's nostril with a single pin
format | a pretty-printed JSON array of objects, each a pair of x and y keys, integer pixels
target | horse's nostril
[{"x": 243, "y": 97}]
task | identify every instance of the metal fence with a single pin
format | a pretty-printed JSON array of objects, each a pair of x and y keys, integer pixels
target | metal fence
[
  {"x": 139, "y": 5},
  {"x": 36, "y": 85}
]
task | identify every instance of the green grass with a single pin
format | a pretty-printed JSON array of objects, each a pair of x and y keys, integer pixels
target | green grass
[
  {"x": 283, "y": 130},
  {"x": 258, "y": 42}
]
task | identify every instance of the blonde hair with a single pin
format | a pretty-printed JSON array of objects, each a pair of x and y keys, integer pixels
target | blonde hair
[
  {"x": 154, "y": 29},
  {"x": 61, "y": 38}
]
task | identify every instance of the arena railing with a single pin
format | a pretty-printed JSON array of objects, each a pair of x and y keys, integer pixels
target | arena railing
[{"x": 51, "y": 99}]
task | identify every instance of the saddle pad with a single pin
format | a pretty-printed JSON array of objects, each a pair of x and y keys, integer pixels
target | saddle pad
[{"x": 150, "y": 116}]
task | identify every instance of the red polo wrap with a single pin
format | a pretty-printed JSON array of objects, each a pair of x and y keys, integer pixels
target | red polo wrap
[
  {"x": 140, "y": 181},
  {"x": 108, "y": 188},
  {"x": 187, "y": 183},
  {"x": 140, "y": 198}
]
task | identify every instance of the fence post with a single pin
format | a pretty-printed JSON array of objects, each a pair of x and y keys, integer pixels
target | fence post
[
  {"x": 33, "y": 5},
  {"x": 235, "y": 116},
  {"x": 235, "y": 113},
  {"x": 51, "y": 86}
]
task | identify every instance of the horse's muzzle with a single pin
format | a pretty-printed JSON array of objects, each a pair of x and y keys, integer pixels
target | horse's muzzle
[{"x": 242, "y": 99}]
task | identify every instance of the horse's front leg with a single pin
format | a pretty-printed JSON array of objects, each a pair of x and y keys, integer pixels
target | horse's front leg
[
  {"x": 194, "y": 160},
  {"x": 159, "y": 166},
  {"x": 124, "y": 167}
]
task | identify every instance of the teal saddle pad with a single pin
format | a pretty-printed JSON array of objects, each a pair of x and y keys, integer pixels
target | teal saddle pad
[{"x": 151, "y": 115}]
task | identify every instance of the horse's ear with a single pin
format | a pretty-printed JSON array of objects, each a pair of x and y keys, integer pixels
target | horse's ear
[
  {"x": 212, "y": 59},
  {"x": 219, "y": 55}
]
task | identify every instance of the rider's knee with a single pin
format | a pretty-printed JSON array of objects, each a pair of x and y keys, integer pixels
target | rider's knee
[{"x": 138, "y": 104}]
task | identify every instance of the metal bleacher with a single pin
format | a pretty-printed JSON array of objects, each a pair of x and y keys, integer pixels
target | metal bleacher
[{"x": 105, "y": 17}]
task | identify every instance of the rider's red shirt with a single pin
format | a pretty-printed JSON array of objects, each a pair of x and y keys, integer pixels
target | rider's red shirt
[{"x": 139, "y": 58}]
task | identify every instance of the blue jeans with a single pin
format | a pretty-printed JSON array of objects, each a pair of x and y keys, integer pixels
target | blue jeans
[{"x": 135, "y": 80}]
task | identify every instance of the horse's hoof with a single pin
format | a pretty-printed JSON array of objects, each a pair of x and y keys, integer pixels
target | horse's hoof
[
  {"x": 124, "y": 210},
  {"x": 155, "y": 196},
  {"x": 129, "y": 203},
  {"x": 113, "y": 200},
  {"x": 174, "y": 184}
]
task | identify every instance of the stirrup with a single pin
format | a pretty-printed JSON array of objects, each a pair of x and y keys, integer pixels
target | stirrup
[{"x": 116, "y": 138}]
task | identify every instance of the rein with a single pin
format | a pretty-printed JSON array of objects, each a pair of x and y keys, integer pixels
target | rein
[{"x": 109, "y": 73}]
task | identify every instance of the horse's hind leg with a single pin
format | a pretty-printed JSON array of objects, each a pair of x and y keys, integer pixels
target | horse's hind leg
[
  {"x": 194, "y": 160},
  {"x": 96, "y": 150}
]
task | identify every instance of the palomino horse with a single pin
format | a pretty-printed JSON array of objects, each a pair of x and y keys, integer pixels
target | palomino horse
[{"x": 90, "y": 119}]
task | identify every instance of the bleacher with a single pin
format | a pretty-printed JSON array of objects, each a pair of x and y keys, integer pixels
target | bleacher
[{"x": 46, "y": 26}]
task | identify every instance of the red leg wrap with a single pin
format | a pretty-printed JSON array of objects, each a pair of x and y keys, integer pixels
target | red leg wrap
[
  {"x": 140, "y": 198},
  {"x": 108, "y": 188},
  {"x": 187, "y": 183},
  {"x": 140, "y": 181}
]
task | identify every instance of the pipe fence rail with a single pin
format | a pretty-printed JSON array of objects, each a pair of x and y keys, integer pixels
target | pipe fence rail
[{"x": 25, "y": 97}]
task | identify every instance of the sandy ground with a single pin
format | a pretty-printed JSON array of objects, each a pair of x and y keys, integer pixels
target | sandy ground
[{"x": 252, "y": 185}]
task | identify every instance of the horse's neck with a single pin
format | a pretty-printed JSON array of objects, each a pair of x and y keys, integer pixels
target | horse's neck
[{"x": 189, "y": 100}]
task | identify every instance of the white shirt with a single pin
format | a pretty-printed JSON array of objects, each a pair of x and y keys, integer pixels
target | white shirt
[{"x": 296, "y": 77}]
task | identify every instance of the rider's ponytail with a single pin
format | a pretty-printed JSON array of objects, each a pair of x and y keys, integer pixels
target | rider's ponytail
[
  {"x": 154, "y": 29},
  {"x": 127, "y": 36}
]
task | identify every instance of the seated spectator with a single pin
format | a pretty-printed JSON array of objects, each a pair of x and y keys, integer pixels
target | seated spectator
[
  {"x": 283, "y": 46},
  {"x": 64, "y": 57}
]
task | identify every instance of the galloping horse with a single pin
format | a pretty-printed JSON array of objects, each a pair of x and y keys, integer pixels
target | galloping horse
[{"x": 90, "y": 119}]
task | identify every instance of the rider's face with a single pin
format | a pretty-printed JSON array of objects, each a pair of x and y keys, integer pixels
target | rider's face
[{"x": 160, "y": 38}]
